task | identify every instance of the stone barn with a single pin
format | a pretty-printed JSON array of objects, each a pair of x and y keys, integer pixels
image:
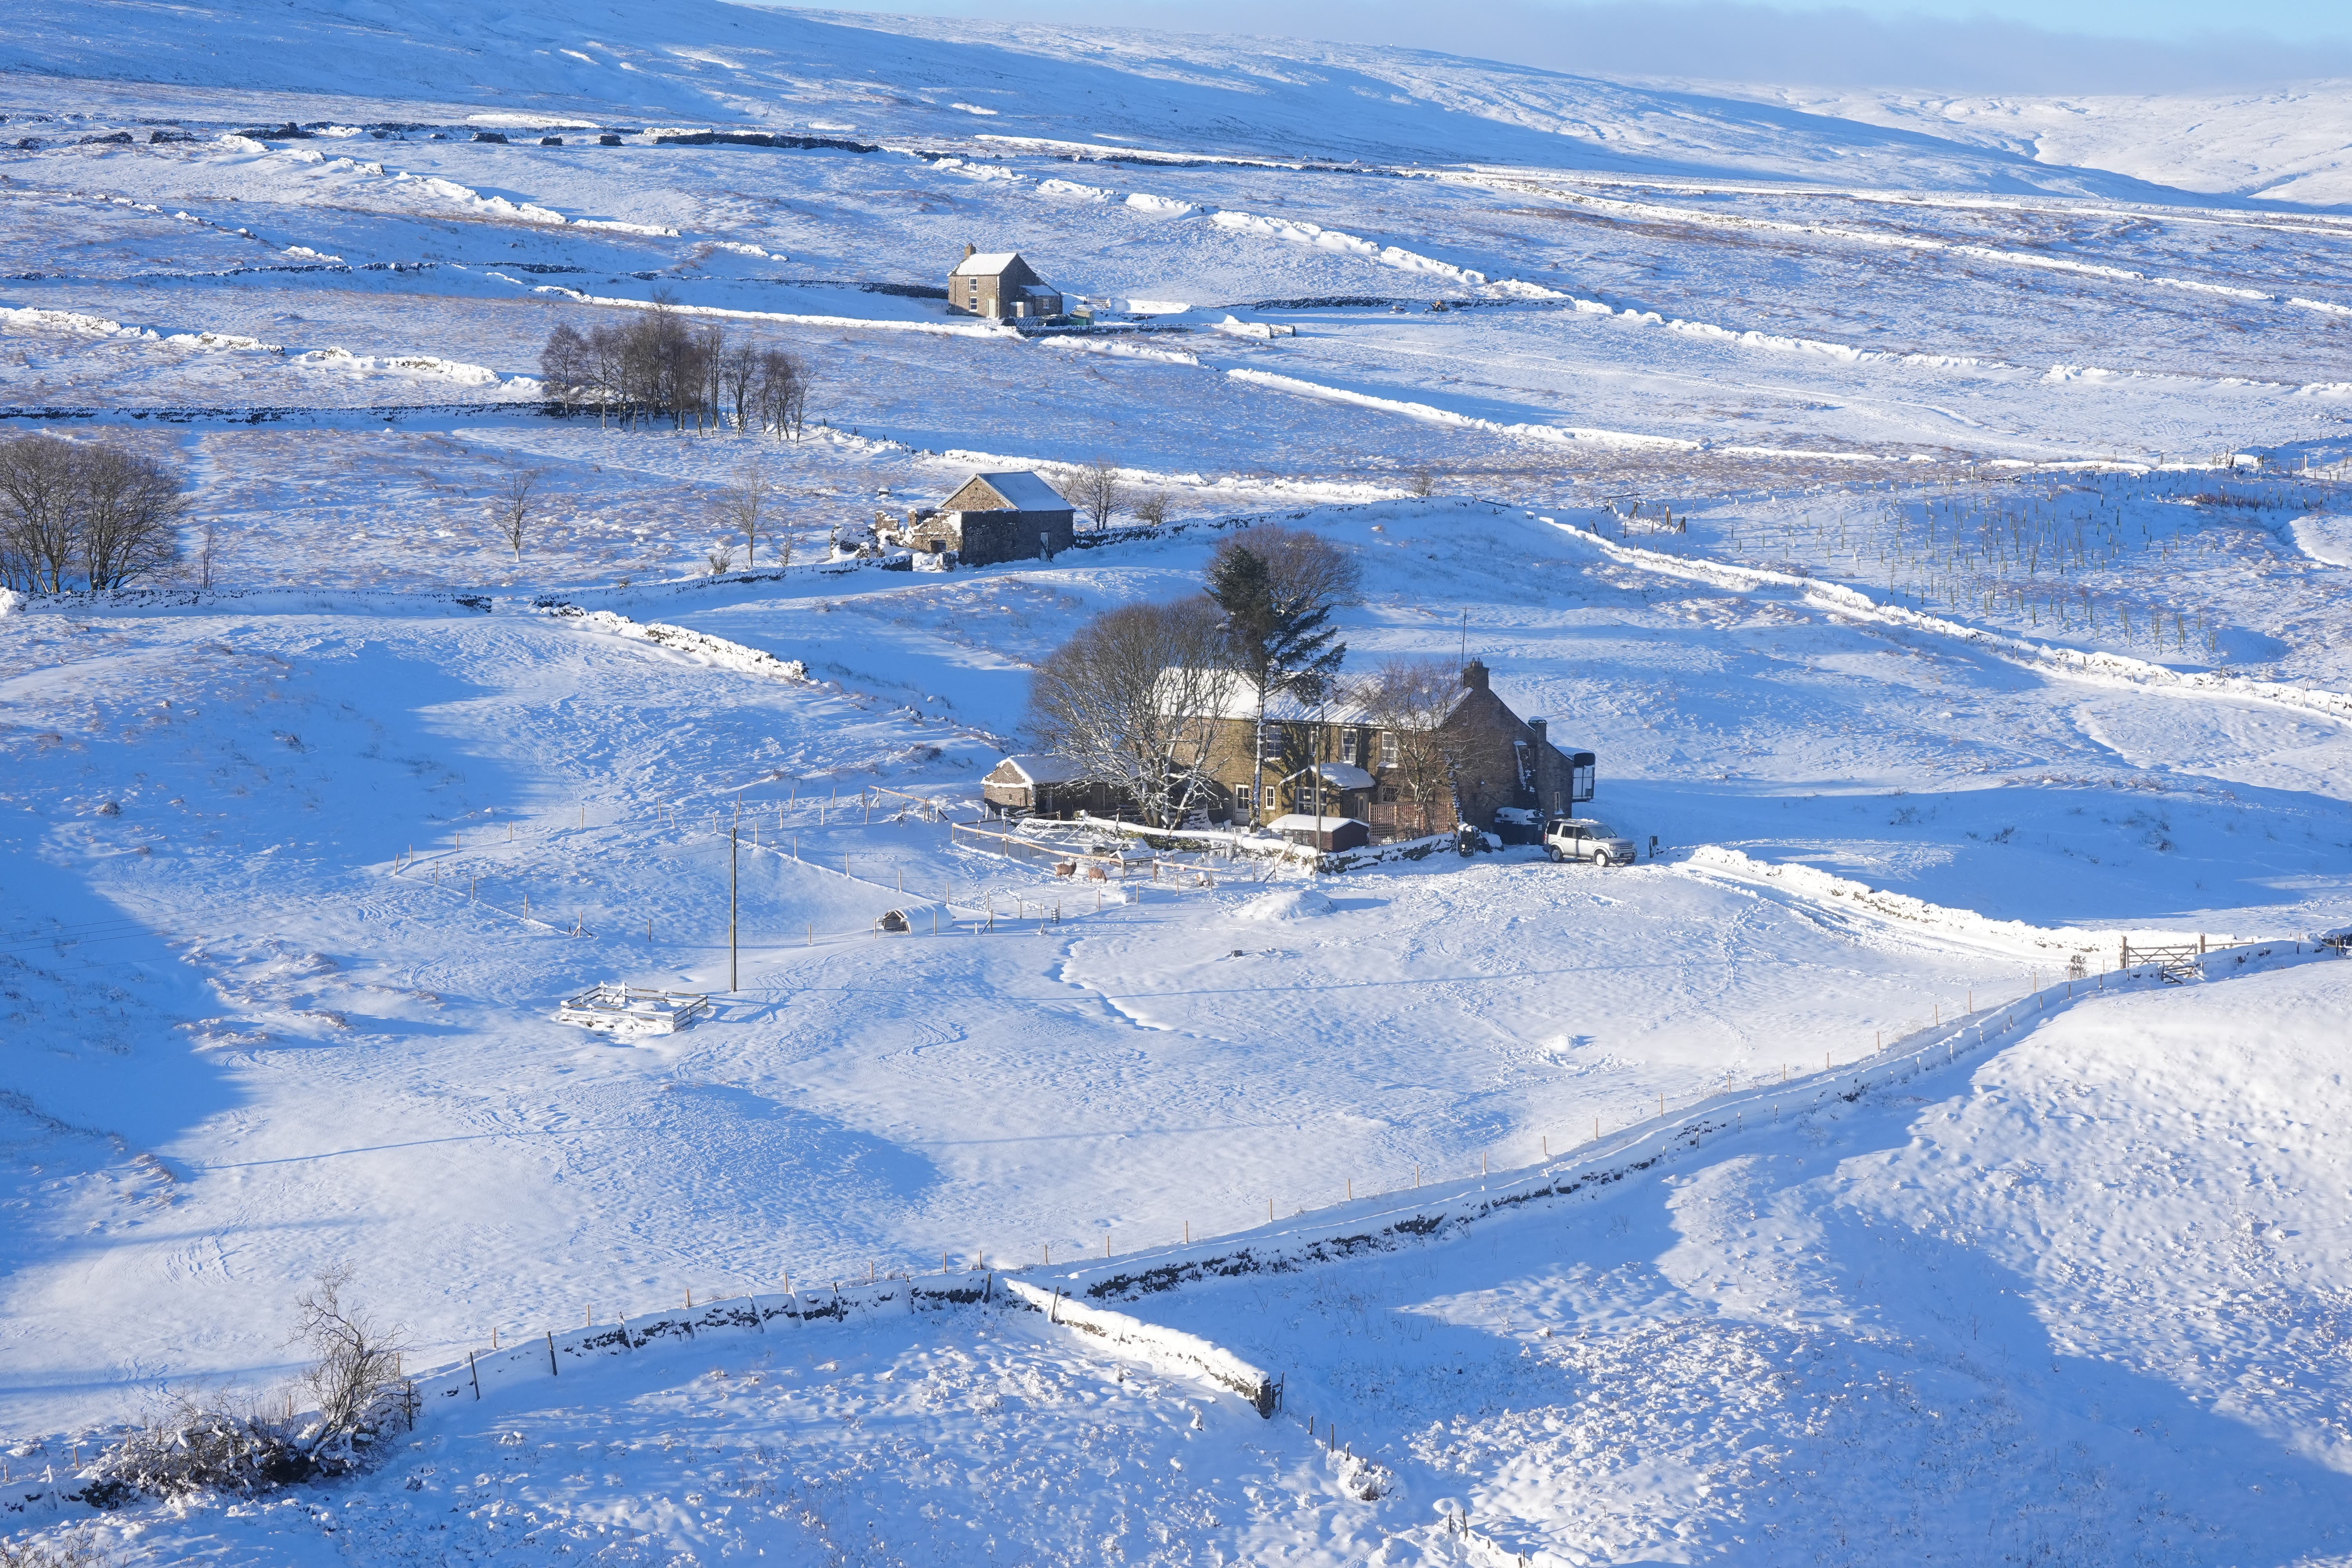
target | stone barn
[
  {"x": 1032, "y": 784},
  {"x": 1000, "y": 286},
  {"x": 997, "y": 517}
]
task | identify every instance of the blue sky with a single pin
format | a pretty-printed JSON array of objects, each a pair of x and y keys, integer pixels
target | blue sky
[{"x": 2041, "y": 46}]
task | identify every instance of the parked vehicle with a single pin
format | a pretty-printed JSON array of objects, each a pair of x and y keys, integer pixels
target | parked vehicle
[{"x": 1582, "y": 838}]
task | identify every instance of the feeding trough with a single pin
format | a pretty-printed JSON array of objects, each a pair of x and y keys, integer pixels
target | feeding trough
[
  {"x": 620, "y": 1009},
  {"x": 894, "y": 922}
]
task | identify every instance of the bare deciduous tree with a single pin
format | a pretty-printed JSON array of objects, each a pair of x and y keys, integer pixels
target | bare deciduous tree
[
  {"x": 739, "y": 381},
  {"x": 208, "y": 553},
  {"x": 567, "y": 366},
  {"x": 1302, "y": 567},
  {"x": 1097, "y": 491},
  {"x": 1151, "y": 508},
  {"x": 743, "y": 506},
  {"x": 91, "y": 514},
  {"x": 1130, "y": 699},
  {"x": 783, "y": 392},
  {"x": 1410, "y": 700},
  {"x": 1424, "y": 480},
  {"x": 131, "y": 509},
  {"x": 36, "y": 512},
  {"x": 356, "y": 1361},
  {"x": 515, "y": 501}
]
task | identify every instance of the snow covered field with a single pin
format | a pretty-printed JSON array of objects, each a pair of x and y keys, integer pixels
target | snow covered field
[{"x": 1941, "y": 540}]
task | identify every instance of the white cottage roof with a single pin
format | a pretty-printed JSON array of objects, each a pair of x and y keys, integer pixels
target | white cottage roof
[
  {"x": 1345, "y": 775},
  {"x": 985, "y": 264},
  {"x": 1238, "y": 699},
  {"x": 1037, "y": 768},
  {"x": 1299, "y": 822},
  {"x": 1025, "y": 491}
]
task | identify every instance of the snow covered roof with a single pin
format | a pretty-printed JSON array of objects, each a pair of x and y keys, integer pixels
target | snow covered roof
[
  {"x": 986, "y": 264},
  {"x": 1345, "y": 775},
  {"x": 1023, "y": 491},
  {"x": 1037, "y": 768},
  {"x": 1299, "y": 823},
  {"x": 1239, "y": 700}
]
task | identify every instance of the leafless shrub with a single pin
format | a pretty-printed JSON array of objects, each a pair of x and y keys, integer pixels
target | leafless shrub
[
  {"x": 720, "y": 558},
  {"x": 1152, "y": 509},
  {"x": 1425, "y": 481},
  {"x": 187, "y": 1443},
  {"x": 515, "y": 502},
  {"x": 1129, "y": 700},
  {"x": 214, "y": 1442},
  {"x": 68, "y": 1554},
  {"x": 1097, "y": 491}
]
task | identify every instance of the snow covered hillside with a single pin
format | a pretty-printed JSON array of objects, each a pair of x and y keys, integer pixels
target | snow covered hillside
[{"x": 1943, "y": 547}]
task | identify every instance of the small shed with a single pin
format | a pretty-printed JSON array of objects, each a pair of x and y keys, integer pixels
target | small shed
[
  {"x": 999, "y": 284},
  {"x": 1040, "y": 785},
  {"x": 1325, "y": 833},
  {"x": 1010, "y": 516}
]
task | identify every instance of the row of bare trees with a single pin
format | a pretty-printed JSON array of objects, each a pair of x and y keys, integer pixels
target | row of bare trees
[
  {"x": 662, "y": 366},
  {"x": 1136, "y": 696},
  {"x": 84, "y": 514}
]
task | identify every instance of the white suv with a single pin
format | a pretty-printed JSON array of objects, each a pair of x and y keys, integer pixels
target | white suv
[{"x": 1581, "y": 838}]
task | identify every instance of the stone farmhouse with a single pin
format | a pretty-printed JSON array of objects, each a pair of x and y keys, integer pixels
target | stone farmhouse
[
  {"x": 991, "y": 518},
  {"x": 1000, "y": 286},
  {"x": 1484, "y": 766}
]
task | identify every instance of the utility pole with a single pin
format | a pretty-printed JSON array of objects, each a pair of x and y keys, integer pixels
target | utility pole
[{"x": 734, "y": 861}]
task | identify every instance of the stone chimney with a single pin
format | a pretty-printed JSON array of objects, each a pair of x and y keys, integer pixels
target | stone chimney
[
  {"x": 1540, "y": 729},
  {"x": 1474, "y": 675},
  {"x": 970, "y": 250}
]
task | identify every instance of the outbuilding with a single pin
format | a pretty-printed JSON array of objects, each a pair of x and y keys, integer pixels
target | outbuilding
[
  {"x": 1011, "y": 516},
  {"x": 1325, "y": 833},
  {"x": 1036, "y": 785}
]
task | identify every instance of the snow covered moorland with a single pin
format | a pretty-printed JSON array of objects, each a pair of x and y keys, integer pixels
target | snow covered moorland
[{"x": 1942, "y": 547}]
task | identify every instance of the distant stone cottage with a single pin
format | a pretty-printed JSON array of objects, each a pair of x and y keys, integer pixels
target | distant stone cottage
[{"x": 1000, "y": 284}]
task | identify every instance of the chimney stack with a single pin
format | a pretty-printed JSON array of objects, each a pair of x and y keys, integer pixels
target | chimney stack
[
  {"x": 970, "y": 250},
  {"x": 1474, "y": 675},
  {"x": 1540, "y": 728}
]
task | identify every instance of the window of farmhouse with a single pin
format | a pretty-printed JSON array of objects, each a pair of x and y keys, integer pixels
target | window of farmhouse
[
  {"x": 1388, "y": 749},
  {"x": 1347, "y": 747}
]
